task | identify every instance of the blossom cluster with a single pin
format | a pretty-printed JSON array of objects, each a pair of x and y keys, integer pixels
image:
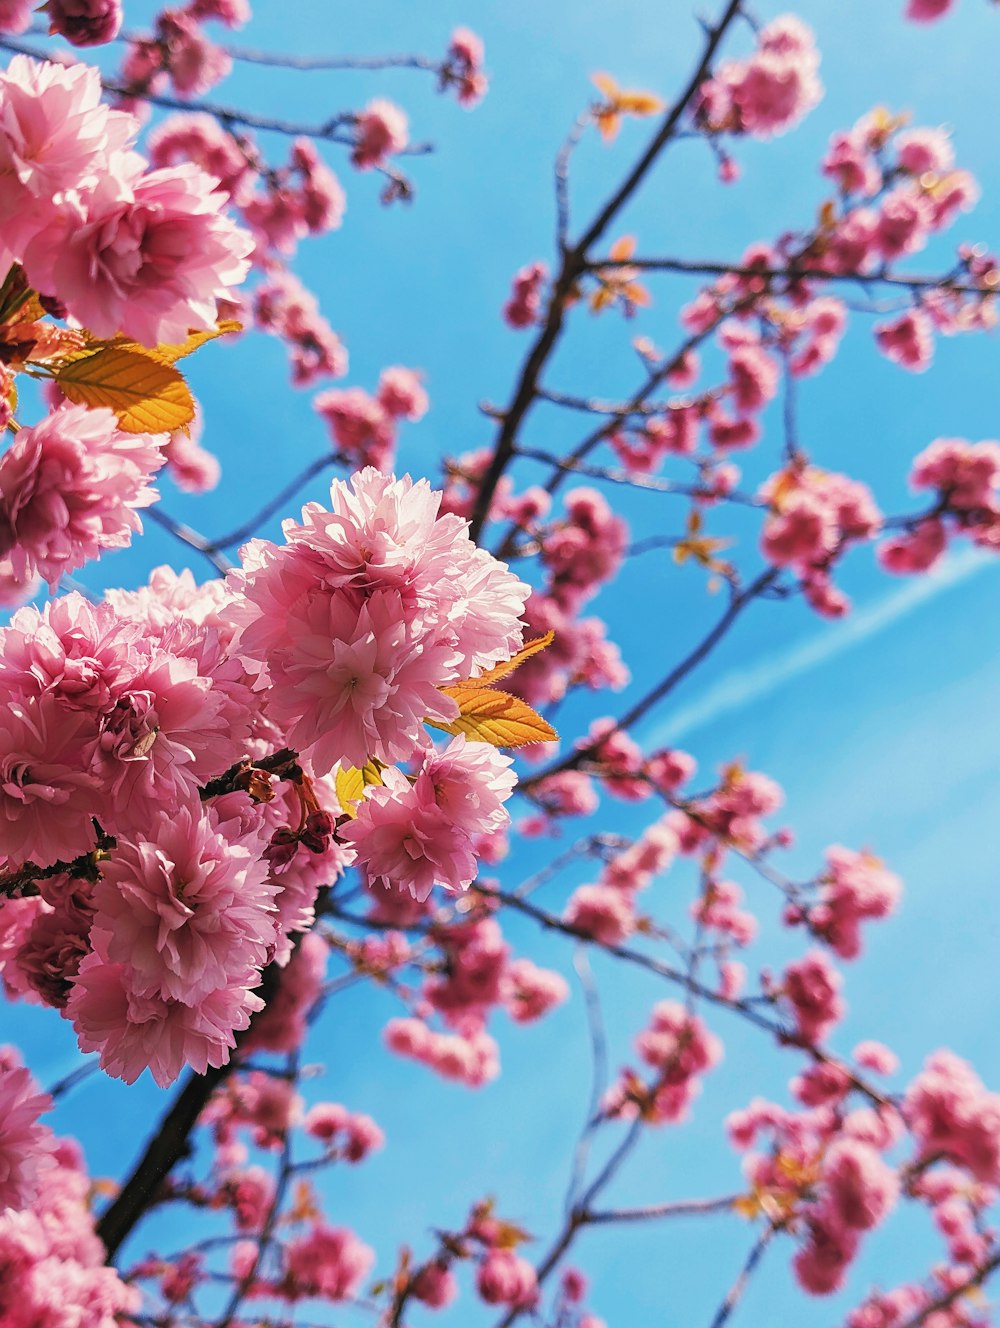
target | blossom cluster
[
  {"x": 167, "y": 897},
  {"x": 52, "y": 1263},
  {"x": 124, "y": 248},
  {"x": 481, "y": 976},
  {"x": 767, "y": 93}
]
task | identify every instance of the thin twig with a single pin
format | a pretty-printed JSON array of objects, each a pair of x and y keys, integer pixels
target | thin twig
[
  {"x": 190, "y": 537},
  {"x": 631, "y": 717},
  {"x": 678, "y": 1208},
  {"x": 273, "y": 505},
  {"x": 573, "y": 264},
  {"x": 328, "y": 132},
  {"x": 736, "y": 1291},
  {"x": 599, "y": 1059},
  {"x": 792, "y": 273}
]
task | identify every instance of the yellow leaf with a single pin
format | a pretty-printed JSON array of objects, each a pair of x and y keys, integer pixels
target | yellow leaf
[
  {"x": 501, "y": 670},
  {"x": 639, "y": 103},
  {"x": 507, "y": 1236},
  {"x": 828, "y": 215},
  {"x": 147, "y": 395},
  {"x": 498, "y": 718},
  {"x": 606, "y": 84},
  {"x": 623, "y": 247},
  {"x": 608, "y": 122},
  {"x": 304, "y": 1208},
  {"x": 350, "y": 784},
  {"x": 170, "y": 354},
  {"x": 636, "y": 294}
]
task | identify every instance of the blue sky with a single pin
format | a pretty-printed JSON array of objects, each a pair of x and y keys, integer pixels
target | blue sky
[{"x": 881, "y": 728}]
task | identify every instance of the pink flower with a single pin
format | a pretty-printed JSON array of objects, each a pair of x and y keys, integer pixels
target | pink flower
[
  {"x": 926, "y": 11},
  {"x": 363, "y": 1137},
  {"x": 812, "y": 988},
  {"x": 134, "y": 1032},
  {"x": 233, "y": 13},
  {"x": 586, "y": 549},
  {"x": 860, "y": 1187},
  {"x": 874, "y": 1056},
  {"x": 465, "y": 66},
  {"x": 770, "y": 91},
  {"x": 905, "y": 219},
  {"x": 381, "y": 129},
  {"x": 351, "y": 683},
  {"x": 284, "y": 307},
  {"x": 856, "y": 887},
  {"x": 168, "y": 731},
  {"x": 365, "y": 613},
  {"x": 753, "y": 377},
  {"x": 851, "y": 164},
  {"x": 325, "y": 1120},
  {"x": 70, "y": 487},
  {"x": 525, "y": 303},
  {"x": 530, "y": 992},
  {"x": 55, "y": 137},
  {"x": 184, "y": 910},
  {"x": 323, "y": 199},
  {"x": 329, "y": 1262},
  {"x": 15, "y": 15},
  {"x": 967, "y": 474},
  {"x": 434, "y": 1285},
  {"x": 916, "y": 551},
  {"x": 58, "y": 940},
  {"x": 46, "y": 790},
  {"x": 469, "y": 782},
  {"x": 403, "y": 842},
  {"x": 282, "y": 1026},
  {"x": 505, "y": 1278},
  {"x": 250, "y": 1192},
  {"x": 84, "y": 22},
  {"x": 196, "y": 136},
  {"x": 25, "y": 1146},
  {"x": 148, "y": 255},
  {"x": 361, "y": 425},
  {"x": 908, "y": 341},
  {"x": 190, "y": 466},
  {"x": 821, "y": 1264},
  {"x": 923, "y": 150},
  {"x": 950, "y": 1113},
  {"x": 600, "y": 912},
  {"x": 401, "y": 393},
  {"x": 195, "y": 63}
]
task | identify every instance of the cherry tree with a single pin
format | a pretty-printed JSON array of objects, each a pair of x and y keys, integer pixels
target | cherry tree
[{"x": 377, "y": 754}]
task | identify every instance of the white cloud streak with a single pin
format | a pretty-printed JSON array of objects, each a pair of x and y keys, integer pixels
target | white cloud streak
[{"x": 740, "y": 687}]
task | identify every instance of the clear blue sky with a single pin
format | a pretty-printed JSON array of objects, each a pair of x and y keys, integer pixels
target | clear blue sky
[{"x": 882, "y": 729}]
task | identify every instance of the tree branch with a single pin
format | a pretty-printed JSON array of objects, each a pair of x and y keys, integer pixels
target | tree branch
[{"x": 574, "y": 263}]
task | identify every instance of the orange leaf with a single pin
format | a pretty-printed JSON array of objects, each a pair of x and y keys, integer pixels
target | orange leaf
[
  {"x": 498, "y": 718},
  {"x": 499, "y": 671},
  {"x": 606, "y": 84},
  {"x": 147, "y": 395},
  {"x": 608, "y": 122},
  {"x": 170, "y": 354},
  {"x": 624, "y": 247},
  {"x": 639, "y": 103}
]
